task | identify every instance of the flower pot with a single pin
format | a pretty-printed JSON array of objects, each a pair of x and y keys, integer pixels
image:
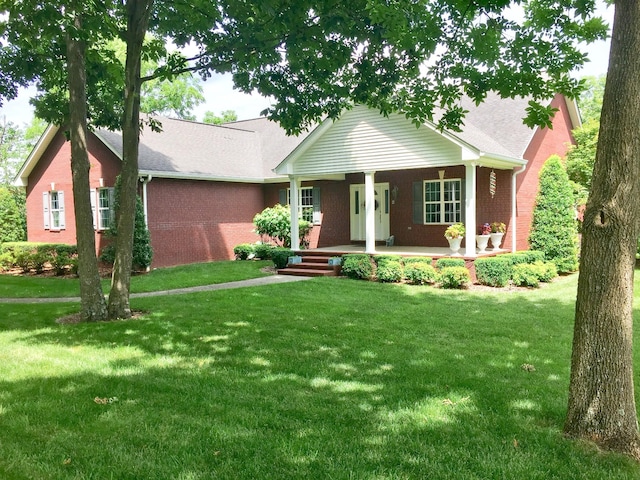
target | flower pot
[
  {"x": 496, "y": 240},
  {"x": 482, "y": 241},
  {"x": 454, "y": 244}
]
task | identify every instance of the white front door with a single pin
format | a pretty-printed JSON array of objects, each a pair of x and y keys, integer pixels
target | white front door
[{"x": 357, "y": 209}]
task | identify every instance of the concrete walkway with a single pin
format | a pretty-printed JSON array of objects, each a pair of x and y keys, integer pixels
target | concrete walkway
[{"x": 252, "y": 282}]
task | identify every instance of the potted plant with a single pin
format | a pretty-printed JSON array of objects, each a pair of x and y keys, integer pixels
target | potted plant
[
  {"x": 482, "y": 240},
  {"x": 497, "y": 232},
  {"x": 454, "y": 235}
]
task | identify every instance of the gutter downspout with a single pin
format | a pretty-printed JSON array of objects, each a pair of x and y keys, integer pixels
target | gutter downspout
[
  {"x": 513, "y": 206},
  {"x": 145, "y": 181}
]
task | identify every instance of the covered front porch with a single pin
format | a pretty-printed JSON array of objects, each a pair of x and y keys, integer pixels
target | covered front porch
[{"x": 400, "y": 183}]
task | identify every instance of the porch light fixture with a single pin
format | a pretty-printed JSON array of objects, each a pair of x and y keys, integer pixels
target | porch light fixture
[
  {"x": 492, "y": 183},
  {"x": 394, "y": 194}
]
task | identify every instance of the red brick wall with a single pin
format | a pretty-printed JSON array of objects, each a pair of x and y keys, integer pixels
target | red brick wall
[
  {"x": 55, "y": 167},
  {"x": 545, "y": 142},
  {"x": 197, "y": 221}
]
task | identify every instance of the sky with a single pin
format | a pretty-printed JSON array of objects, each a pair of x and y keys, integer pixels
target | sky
[{"x": 220, "y": 95}]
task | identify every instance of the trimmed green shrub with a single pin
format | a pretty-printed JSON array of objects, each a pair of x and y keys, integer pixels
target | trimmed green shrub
[
  {"x": 454, "y": 277},
  {"x": 380, "y": 259},
  {"x": 493, "y": 271},
  {"x": 280, "y": 256},
  {"x": 275, "y": 223},
  {"x": 525, "y": 275},
  {"x": 554, "y": 229},
  {"x": 6, "y": 261},
  {"x": 23, "y": 259},
  {"x": 449, "y": 262},
  {"x": 410, "y": 260},
  {"x": 420, "y": 273},
  {"x": 39, "y": 259},
  {"x": 389, "y": 271},
  {"x": 547, "y": 271},
  {"x": 243, "y": 251},
  {"x": 357, "y": 266},
  {"x": 526, "y": 256},
  {"x": 263, "y": 250}
]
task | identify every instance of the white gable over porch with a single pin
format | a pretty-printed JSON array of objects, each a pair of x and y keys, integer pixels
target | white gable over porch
[{"x": 363, "y": 140}]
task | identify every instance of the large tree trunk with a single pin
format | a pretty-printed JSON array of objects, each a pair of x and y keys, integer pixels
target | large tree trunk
[
  {"x": 601, "y": 396},
  {"x": 92, "y": 300},
  {"x": 137, "y": 22}
]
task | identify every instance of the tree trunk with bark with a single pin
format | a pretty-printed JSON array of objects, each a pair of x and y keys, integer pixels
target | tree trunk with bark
[
  {"x": 138, "y": 12},
  {"x": 601, "y": 404},
  {"x": 93, "y": 305}
]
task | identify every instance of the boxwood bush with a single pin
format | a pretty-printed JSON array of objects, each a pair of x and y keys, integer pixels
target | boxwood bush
[
  {"x": 33, "y": 255},
  {"x": 546, "y": 271},
  {"x": 420, "y": 273},
  {"x": 410, "y": 260},
  {"x": 243, "y": 251},
  {"x": 389, "y": 271},
  {"x": 357, "y": 266},
  {"x": 280, "y": 256},
  {"x": 525, "y": 275},
  {"x": 449, "y": 262},
  {"x": 263, "y": 250},
  {"x": 381, "y": 259},
  {"x": 493, "y": 271},
  {"x": 454, "y": 277}
]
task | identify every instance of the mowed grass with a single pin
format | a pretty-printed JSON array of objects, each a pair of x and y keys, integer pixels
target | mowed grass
[
  {"x": 158, "y": 279},
  {"x": 323, "y": 379}
]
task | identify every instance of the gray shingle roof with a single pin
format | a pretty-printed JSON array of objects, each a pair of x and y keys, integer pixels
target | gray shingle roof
[
  {"x": 495, "y": 126},
  {"x": 249, "y": 150},
  {"x": 245, "y": 150}
]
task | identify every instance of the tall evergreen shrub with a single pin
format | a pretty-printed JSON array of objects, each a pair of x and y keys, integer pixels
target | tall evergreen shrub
[{"x": 554, "y": 229}]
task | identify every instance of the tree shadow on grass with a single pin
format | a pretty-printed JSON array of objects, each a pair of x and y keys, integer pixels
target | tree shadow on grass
[{"x": 273, "y": 383}]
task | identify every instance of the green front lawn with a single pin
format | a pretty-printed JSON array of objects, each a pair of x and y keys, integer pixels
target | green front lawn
[
  {"x": 323, "y": 379},
  {"x": 158, "y": 279}
]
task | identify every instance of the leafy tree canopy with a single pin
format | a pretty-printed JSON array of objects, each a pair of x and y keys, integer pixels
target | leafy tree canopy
[
  {"x": 315, "y": 59},
  {"x": 225, "y": 116}
]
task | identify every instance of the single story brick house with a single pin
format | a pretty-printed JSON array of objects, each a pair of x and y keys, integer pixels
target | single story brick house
[{"x": 359, "y": 179}]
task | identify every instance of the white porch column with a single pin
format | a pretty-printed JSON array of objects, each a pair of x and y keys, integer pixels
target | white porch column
[
  {"x": 470, "y": 210},
  {"x": 294, "y": 186},
  {"x": 370, "y": 212}
]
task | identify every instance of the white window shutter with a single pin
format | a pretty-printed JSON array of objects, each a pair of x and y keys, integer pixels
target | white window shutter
[
  {"x": 94, "y": 210},
  {"x": 61, "y": 202},
  {"x": 45, "y": 209}
]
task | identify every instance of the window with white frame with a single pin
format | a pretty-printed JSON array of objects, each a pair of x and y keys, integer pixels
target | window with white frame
[
  {"x": 305, "y": 203},
  {"x": 102, "y": 207},
  {"x": 53, "y": 210},
  {"x": 105, "y": 208},
  {"x": 442, "y": 201}
]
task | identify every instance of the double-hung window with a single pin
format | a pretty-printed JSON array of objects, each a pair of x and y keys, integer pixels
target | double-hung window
[
  {"x": 308, "y": 203},
  {"x": 102, "y": 207},
  {"x": 53, "y": 210},
  {"x": 442, "y": 201},
  {"x": 305, "y": 203},
  {"x": 105, "y": 208}
]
